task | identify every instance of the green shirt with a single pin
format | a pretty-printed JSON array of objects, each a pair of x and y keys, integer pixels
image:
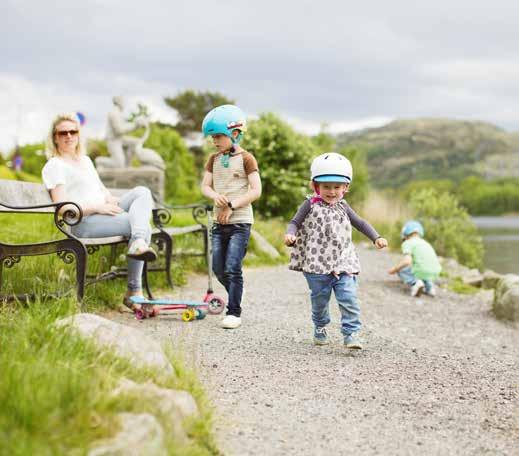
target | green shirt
[{"x": 425, "y": 262}]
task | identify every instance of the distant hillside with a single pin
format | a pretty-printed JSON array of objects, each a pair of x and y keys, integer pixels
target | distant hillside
[{"x": 405, "y": 150}]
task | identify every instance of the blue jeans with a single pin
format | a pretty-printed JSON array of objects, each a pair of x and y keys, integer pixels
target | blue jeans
[
  {"x": 133, "y": 223},
  {"x": 345, "y": 289},
  {"x": 407, "y": 276},
  {"x": 229, "y": 244}
]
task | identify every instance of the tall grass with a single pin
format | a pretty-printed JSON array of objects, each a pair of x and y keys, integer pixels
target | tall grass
[
  {"x": 55, "y": 393},
  {"x": 386, "y": 212}
]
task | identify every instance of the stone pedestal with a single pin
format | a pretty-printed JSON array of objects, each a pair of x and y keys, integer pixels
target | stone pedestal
[{"x": 147, "y": 176}]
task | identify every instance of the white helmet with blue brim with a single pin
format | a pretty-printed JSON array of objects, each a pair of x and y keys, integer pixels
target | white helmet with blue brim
[{"x": 331, "y": 167}]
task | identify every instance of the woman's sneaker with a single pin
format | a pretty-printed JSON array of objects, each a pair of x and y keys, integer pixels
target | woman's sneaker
[
  {"x": 139, "y": 250},
  {"x": 353, "y": 341},
  {"x": 417, "y": 288},
  {"x": 231, "y": 322},
  {"x": 320, "y": 336}
]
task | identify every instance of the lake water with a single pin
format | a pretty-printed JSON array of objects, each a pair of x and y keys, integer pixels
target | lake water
[{"x": 501, "y": 239}]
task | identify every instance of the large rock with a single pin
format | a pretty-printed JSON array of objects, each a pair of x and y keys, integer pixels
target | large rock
[
  {"x": 491, "y": 279},
  {"x": 506, "y": 298},
  {"x": 451, "y": 267},
  {"x": 140, "y": 434},
  {"x": 175, "y": 405},
  {"x": 263, "y": 245},
  {"x": 122, "y": 340}
]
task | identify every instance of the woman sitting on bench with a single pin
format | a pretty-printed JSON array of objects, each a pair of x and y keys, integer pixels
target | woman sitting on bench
[{"x": 69, "y": 175}]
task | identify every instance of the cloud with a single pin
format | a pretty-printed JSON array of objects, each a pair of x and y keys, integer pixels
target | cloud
[{"x": 332, "y": 61}]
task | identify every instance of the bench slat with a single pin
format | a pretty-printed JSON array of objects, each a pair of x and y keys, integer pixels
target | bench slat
[
  {"x": 179, "y": 230},
  {"x": 17, "y": 193}
]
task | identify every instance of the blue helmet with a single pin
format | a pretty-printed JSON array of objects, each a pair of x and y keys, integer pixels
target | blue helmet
[
  {"x": 224, "y": 120},
  {"x": 412, "y": 226}
]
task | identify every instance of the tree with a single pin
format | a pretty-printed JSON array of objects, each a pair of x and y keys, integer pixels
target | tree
[
  {"x": 193, "y": 106},
  {"x": 359, "y": 187},
  {"x": 284, "y": 159},
  {"x": 448, "y": 226}
]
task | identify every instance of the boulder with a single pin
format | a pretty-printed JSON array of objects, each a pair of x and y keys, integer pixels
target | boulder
[
  {"x": 451, "y": 267},
  {"x": 491, "y": 278},
  {"x": 140, "y": 434},
  {"x": 174, "y": 405},
  {"x": 263, "y": 245},
  {"x": 124, "y": 341},
  {"x": 473, "y": 278},
  {"x": 506, "y": 298}
]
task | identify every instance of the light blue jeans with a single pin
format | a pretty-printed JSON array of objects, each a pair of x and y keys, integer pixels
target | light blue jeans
[
  {"x": 133, "y": 223},
  {"x": 407, "y": 276},
  {"x": 345, "y": 289}
]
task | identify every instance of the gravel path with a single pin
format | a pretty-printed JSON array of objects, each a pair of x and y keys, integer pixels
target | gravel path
[{"x": 437, "y": 376}]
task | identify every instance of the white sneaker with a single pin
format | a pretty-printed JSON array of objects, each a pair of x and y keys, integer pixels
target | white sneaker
[
  {"x": 417, "y": 288},
  {"x": 432, "y": 291},
  {"x": 231, "y": 322}
]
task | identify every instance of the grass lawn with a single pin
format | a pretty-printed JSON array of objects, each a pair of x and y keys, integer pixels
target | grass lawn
[{"x": 55, "y": 389}]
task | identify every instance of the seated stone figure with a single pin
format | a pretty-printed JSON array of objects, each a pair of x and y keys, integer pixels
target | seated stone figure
[{"x": 121, "y": 147}]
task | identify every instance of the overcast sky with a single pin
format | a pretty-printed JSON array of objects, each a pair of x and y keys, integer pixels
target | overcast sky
[{"x": 347, "y": 63}]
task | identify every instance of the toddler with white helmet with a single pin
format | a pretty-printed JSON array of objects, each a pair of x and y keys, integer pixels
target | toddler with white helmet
[
  {"x": 419, "y": 267},
  {"x": 320, "y": 233},
  {"x": 231, "y": 179}
]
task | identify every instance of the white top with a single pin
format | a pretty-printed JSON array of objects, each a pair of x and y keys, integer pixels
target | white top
[{"x": 81, "y": 181}]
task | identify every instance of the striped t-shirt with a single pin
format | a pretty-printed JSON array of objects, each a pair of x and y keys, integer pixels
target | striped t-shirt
[{"x": 232, "y": 181}]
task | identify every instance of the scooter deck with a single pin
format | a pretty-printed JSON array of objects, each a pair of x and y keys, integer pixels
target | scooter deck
[{"x": 167, "y": 302}]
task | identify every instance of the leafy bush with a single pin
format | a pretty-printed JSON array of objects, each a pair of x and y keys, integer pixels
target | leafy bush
[
  {"x": 33, "y": 158},
  {"x": 495, "y": 197},
  {"x": 284, "y": 159},
  {"x": 181, "y": 174},
  {"x": 359, "y": 187},
  {"x": 448, "y": 226}
]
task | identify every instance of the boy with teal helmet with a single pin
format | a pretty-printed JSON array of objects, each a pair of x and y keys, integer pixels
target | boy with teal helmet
[
  {"x": 231, "y": 179},
  {"x": 419, "y": 267}
]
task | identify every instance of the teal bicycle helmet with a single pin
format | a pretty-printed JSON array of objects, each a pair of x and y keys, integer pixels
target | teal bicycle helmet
[
  {"x": 223, "y": 120},
  {"x": 412, "y": 226}
]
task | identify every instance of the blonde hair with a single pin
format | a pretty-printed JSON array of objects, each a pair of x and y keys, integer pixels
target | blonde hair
[{"x": 51, "y": 149}]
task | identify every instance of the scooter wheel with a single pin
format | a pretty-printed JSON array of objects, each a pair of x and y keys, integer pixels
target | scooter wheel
[
  {"x": 139, "y": 314},
  {"x": 154, "y": 312},
  {"x": 200, "y": 314},
  {"x": 216, "y": 305},
  {"x": 186, "y": 315}
]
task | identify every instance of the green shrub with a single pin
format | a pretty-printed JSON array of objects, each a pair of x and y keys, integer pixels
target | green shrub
[
  {"x": 182, "y": 184},
  {"x": 495, "y": 197},
  {"x": 359, "y": 187},
  {"x": 284, "y": 159},
  {"x": 448, "y": 226},
  {"x": 34, "y": 158}
]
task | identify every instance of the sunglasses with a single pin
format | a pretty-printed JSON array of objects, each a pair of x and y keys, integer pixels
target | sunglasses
[{"x": 64, "y": 133}]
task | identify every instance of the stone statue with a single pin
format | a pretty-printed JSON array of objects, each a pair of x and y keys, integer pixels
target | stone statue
[{"x": 121, "y": 147}]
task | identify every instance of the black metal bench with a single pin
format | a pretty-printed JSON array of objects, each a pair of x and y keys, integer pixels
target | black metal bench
[{"x": 25, "y": 197}]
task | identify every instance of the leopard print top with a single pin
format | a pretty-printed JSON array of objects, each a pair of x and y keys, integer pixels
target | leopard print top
[{"x": 324, "y": 242}]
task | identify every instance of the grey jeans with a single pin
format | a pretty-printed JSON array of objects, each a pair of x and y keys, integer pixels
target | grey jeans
[{"x": 134, "y": 223}]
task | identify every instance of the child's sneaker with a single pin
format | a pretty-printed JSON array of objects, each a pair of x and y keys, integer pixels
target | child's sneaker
[
  {"x": 417, "y": 288},
  {"x": 320, "y": 336},
  {"x": 431, "y": 292},
  {"x": 231, "y": 322},
  {"x": 353, "y": 341}
]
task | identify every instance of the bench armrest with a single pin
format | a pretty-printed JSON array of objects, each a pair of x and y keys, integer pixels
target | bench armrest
[
  {"x": 163, "y": 212},
  {"x": 70, "y": 216}
]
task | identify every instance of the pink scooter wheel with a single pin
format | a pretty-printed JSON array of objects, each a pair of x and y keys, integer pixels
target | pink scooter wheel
[{"x": 215, "y": 305}]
